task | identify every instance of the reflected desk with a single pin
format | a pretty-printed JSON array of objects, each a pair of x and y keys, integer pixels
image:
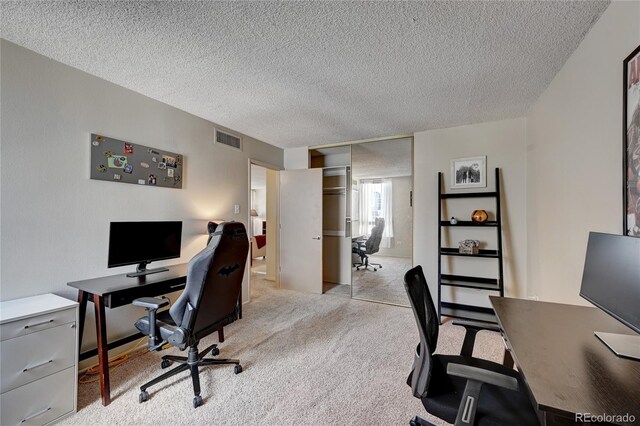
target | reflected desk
[
  {"x": 115, "y": 291},
  {"x": 568, "y": 370}
]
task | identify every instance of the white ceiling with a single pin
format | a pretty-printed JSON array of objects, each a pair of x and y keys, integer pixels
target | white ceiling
[
  {"x": 309, "y": 73},
  {"x": 381, "y": 159}
]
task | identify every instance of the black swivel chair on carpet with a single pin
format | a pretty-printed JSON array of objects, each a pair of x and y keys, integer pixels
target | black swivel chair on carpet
[
  {"x": 461, "y": 389},
  {"x": 208, "y": 302},
  {"x": 370, "y": 246}
]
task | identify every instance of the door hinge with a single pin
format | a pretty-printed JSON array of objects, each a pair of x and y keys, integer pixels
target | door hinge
[{"x": 410, "y": 198}]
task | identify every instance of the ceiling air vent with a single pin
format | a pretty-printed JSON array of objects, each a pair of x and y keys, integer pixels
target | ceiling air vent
[{"x": 229, "y": 140}]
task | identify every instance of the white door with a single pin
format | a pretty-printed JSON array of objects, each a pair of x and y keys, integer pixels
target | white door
[{"x": 301, "y": 230}]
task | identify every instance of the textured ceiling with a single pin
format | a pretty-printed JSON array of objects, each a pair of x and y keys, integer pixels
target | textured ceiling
[
  {"x": 310, "y": 73},
  {"x": 390, "y": 158}
]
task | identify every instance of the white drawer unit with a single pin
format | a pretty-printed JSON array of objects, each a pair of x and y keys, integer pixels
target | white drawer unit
[{"x": 38, "y": 360}]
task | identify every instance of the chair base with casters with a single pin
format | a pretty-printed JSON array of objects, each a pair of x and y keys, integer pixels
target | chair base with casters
[
  {"x": 365, "y": 264},
  {"x": 364, "y": 259},
  {"x": 192, "y": 362}
]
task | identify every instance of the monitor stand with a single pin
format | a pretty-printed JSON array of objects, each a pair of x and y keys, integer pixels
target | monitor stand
[
  {"x": 623, "y": 345},
  {"x": 142, "y": 270}
]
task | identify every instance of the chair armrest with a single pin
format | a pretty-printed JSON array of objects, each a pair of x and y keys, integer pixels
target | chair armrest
[
  {"x": 150, "y": 302},
  {"x": 476, "y": 377},
  {"x": 477, "y": 325},
  {"x": 472, "y": 328},
  {"x": 481, "y": 375}
]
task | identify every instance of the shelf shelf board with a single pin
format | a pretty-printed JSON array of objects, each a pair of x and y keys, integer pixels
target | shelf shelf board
[
  {"x": 468, "y": 223},
  {"x": 445, "y": 251},
  {"x": 456, "y": 310},
  {"x": 480, "y": 283},
  {"x": 469, "y": 195}
]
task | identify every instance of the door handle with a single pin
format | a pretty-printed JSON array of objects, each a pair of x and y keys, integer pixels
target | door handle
[{"x": 316, "y": 238}]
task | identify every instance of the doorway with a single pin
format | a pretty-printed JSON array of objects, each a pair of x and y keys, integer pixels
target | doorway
[{"x": 263, "y": 211}]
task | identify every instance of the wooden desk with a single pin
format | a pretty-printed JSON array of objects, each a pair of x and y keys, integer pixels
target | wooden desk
[
  {"x": 566, "y": 368},
  {"x": 115, "y": 291}
]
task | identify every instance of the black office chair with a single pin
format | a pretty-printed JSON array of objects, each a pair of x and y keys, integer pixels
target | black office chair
[
  {"x": 211, "y": 228},
  {"x": 461, "y": 389},
  {"x": 370, "y": 246},
  {"x": 208, "y": 302}
]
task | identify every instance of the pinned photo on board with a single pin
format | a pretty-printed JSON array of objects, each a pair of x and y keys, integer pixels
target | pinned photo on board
[
  {"x": 151, "y": 180},
  {"x": 117, "y": 162},
  {"x": 116, "y": 176},
  {"x": 128, "y": 148},
  {"x": 128, "y": 168},
  {"x": 170, "y": 172},
  {"x": 162, "y": 166},
  {"x": 169, "y": 161}
]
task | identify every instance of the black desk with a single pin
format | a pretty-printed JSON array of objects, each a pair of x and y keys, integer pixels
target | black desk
[
  {"x": 115, "y": 291},
  {"x": 566, "y": 368}
]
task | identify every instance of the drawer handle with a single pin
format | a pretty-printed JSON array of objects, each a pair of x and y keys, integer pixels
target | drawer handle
[
  {"x": 39, "y": 323},
  {"x": 36, "y": 366},
  {"x": 39, "y": 413}
]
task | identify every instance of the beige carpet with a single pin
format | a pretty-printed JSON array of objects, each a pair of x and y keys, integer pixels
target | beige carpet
[
  {"x": 385, "y": 284},
  {"x": 308, "y": 359}
]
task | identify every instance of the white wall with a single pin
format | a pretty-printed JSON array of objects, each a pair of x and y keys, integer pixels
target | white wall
[
  {"x": 296, "y": 158},
  {"x": 574, "y": 155},
  {"x": 503, "y": 142},
  {"x": 55, "y": 220}
]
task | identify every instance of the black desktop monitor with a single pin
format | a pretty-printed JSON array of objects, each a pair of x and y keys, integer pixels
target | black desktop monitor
[
  {"x": 611, "y": 281},
  {"x": 140, "y": 243}
]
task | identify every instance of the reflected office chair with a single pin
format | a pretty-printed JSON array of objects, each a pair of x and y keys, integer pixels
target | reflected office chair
[
  {"x": 370, "y": 246},
  {"x": 208, "y": 302},
  {"x": 461, "y": 389}
]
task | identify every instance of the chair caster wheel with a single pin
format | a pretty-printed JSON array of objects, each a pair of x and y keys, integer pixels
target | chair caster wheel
[
  {"x": 215, "y": 352},
  {"x": 165, "y": 363},
  {"x": 237, "y": 369},
  {"x": 144, "y": 396},
  {"x": 197, "y": 401}
]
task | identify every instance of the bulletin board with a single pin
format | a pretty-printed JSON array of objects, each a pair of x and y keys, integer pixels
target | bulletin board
[{"x": 124, "y": 162}]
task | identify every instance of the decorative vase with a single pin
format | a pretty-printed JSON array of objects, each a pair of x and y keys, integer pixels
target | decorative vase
[{"x": 479, "y": 216}]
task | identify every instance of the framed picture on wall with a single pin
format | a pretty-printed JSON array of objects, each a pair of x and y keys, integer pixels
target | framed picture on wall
[
  {"x": 631, "y": 144},
  {"x": 470, "y": 172}
]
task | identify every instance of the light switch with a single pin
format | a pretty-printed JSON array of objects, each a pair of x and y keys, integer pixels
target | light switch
[{"x": 236, "y": 208}]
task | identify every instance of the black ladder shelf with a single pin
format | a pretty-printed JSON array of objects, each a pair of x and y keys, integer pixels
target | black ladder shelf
[{"x": 458, "y": 310}]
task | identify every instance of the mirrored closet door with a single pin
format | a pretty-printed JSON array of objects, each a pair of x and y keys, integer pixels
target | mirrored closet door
[{"x": 381, "y": 219}]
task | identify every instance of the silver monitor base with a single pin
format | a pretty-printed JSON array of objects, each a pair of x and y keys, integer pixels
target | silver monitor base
[{"x": 623, "y": 345}]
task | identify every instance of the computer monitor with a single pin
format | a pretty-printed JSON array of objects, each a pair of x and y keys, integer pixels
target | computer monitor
[
  {"x": 611, "y": 281},
  {"x": 141, "y": 243}
]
